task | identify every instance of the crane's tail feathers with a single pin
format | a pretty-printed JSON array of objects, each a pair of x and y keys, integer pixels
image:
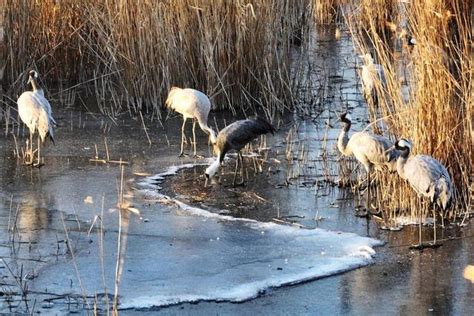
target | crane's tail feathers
[
  {"x": 51, "y": 138},
  {"x": 444, "y": 194}
]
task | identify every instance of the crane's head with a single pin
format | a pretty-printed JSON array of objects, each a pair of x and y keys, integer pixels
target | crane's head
[
  {"x": 404, "y": 146},
  {"x": 33, "y": 74},
  {"x": 172, "y": 96},
  {"x": 212, "y": 170},
  {"x": 346, "y": 120},
  {"x": 345, "y": 117}
]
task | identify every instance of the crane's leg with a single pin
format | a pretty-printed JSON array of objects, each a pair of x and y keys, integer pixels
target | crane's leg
[
  {"x": 240, "y": 160},
  {"x": 419, "y": 230},
  {"x": 235, "y": 171},
  {"x": 183, "y": 137},
  {"x": 434, "y": 225},
  {"x": 242, "y": 168},
  {"x": 39, "y": 164},
  {"x": 367, "y": 202},
  {"x": 29, "y": 151},
  {"x": 365, "y": 212},
  {"x": 194, "y": 140},
  {"x": 194, "y": 136}
]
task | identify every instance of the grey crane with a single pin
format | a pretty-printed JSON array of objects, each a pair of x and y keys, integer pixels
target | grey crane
[
  {"x": 372, "y": 151},
  {"x": 234, "y": 137},
  {"x": 427, "y": 176},
  {"x": 35, "y": 111},
  {"x": 193, "y": 104}
]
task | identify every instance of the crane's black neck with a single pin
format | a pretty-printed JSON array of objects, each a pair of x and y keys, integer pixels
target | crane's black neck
[
  {"x": 347, "y": 125},
  {"x": 222, "y": 155},
  {"x": 34, "y": 84}
]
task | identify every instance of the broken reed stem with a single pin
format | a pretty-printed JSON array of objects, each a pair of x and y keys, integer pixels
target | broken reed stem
[
  {"x": 145, "y": 129},
  {"x": 73, "y": 257}
]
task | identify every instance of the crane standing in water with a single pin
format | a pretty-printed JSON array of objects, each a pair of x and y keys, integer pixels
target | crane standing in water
[
  {"x": 35, "y": 111},
  {"x": 192, "y": 104},
  {"x": 234, "y": 137},
  {"x": 427, "y": 176},
  {"x": 372, "y": 151},
  {"x": 370, "y": 74}
]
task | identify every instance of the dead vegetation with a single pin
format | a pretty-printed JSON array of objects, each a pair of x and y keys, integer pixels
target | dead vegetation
[
  {"x": 427, "y": 92},
  {"x": 128, "y": 54}
]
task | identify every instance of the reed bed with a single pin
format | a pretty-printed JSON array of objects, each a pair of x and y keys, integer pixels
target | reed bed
[
  {"x": 427, "y": 94},
  {"x": 328, "y": 11},
  {"x": 128, "y": 54}
]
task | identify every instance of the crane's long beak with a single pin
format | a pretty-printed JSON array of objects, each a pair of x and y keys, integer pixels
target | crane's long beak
[{"x": 207, "y": 179}]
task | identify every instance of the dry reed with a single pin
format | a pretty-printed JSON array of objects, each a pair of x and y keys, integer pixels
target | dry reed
[
  {"x": 427, "y": 94},
  {"x": 128, "y": 54}
]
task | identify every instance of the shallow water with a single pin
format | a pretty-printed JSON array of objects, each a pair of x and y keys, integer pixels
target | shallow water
[{"x": 61, "y": 220}]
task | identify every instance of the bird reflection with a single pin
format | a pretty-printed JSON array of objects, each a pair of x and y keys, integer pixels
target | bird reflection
[{"x": 33, "y": 216}]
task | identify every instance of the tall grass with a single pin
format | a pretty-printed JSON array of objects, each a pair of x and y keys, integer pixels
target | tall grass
[
  {"x": 428, "y": 95},
  {"x": 132, "y": 51}
]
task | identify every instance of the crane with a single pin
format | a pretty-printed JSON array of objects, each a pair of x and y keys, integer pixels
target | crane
[
  {"x": 427, "y": 176},
  {"x": 193, "y": 104},
  {"x": 370, "y": 74},
  {"x": 35, "y": 111},
  {"x": 234, "y": 137},
  {"x": 372, "y": 151}
]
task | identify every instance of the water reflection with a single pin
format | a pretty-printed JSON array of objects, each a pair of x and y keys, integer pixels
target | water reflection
[{"x": 33, "y": 216}]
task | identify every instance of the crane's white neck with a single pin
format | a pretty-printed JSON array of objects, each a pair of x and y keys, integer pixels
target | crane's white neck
[
  {"x": 401, "y": 161},
  {"x": 35, "y": 85},
  {"x": 343, "y": 140},
  {"x": 212, "y": 134},
  {"x": 213, "y": 168}
]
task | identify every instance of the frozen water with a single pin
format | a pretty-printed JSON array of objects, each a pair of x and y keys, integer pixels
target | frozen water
[
  {"x": 188, "y": 254},
  {"x": 217, "y": 257}
]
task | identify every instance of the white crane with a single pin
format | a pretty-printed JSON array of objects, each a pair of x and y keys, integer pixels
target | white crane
[
  {"x": 234, "y": 137},
  {"x": 372, "y": 151},
  {"x": 371, "y": 73},
  {"x": 193, "y": 104},
  {"x": 427, "y": 176},
  {"x": 35, "y": 111}
]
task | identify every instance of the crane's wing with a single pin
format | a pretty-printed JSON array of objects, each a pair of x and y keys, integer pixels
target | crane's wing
[
  {"x": 423, "y": 172},
  {"x": 44, "y": 103},
  {"x": 240, "y": 133}
]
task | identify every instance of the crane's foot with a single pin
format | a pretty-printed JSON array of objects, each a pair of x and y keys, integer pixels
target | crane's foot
[
  {"x": 196, "y": 156},
  {"x": 181, "y": 155},
  {"x": 38, "y": 164}
]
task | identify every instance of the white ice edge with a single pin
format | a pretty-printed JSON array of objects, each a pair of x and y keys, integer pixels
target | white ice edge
[
  {"x": 247, "y": 291},
  {"x": 358, "y": 254}
]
